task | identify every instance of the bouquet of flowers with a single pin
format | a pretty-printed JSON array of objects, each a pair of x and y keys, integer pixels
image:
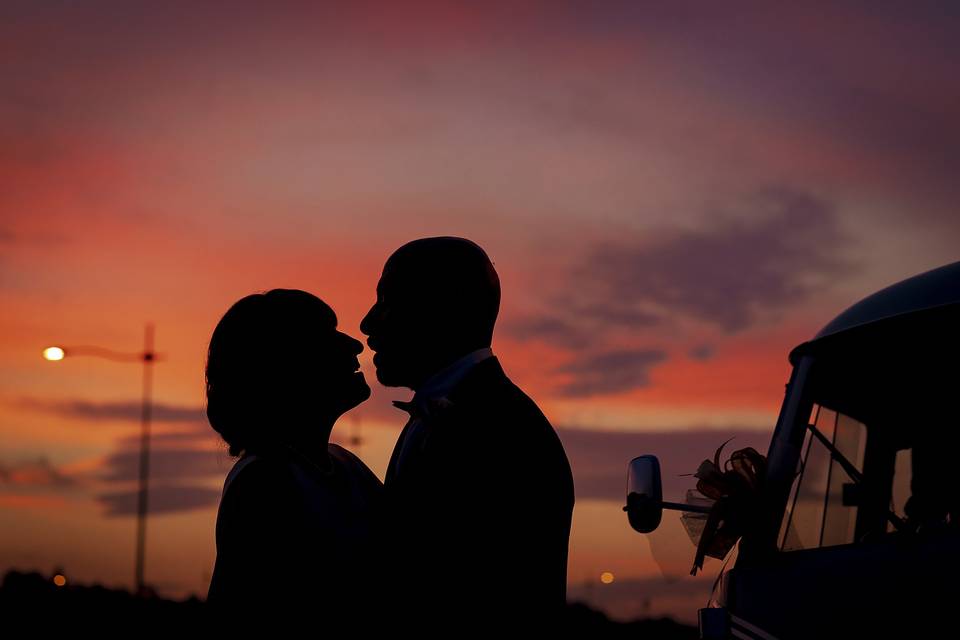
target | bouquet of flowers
[{"x": 732, "y": 491}]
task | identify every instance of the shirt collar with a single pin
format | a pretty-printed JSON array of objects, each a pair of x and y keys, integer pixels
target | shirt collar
[{"x": 442, "y": 382}]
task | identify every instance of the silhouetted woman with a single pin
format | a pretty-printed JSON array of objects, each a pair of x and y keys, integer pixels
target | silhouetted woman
[{"x": 295, "y": 518}]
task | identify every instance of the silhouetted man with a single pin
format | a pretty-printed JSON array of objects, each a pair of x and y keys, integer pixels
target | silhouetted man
[{"x": 479, "y": 488}]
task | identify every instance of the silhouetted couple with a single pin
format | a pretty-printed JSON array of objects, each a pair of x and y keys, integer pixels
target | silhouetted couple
[{"x": 472, "y": 524}]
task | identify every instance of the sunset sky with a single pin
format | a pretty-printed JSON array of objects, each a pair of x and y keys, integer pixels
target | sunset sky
[{"x": 674, "y": 194}]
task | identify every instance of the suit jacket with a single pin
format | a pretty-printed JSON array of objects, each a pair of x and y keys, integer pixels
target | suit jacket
[{"x": 479, "y": 517}]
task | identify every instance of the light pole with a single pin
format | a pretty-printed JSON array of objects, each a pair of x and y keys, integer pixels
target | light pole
[{"x": 148, "y": 357}]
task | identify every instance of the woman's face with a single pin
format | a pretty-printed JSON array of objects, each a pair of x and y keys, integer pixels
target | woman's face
[
  {"x": 317, "y": 371},
  {"x": 278, "y": 367},
  {"x": 340, "y": 384}
]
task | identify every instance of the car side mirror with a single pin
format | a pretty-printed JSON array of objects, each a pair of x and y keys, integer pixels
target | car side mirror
[{"x": 644, "y": 494}]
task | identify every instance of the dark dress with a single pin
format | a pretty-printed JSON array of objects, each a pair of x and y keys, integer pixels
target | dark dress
[
  {"x": 479, "y": 514},
  {"x": 292, "y": 538}
]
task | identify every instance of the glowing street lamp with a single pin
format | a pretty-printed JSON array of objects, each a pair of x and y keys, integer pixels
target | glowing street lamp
[{"x": 147, "y": 357}]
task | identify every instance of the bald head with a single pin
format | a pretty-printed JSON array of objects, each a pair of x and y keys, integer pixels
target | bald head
[
  {"x": 437, "y": 300},
  {"x": 454, "y": 277}
]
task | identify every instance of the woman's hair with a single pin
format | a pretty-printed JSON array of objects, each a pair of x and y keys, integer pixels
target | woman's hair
[{"x": 256, "y": 364}]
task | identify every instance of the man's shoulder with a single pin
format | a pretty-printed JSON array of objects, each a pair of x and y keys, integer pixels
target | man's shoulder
[
  {"x": 492, "y": 406},
  {"x": 486, "y": 389},
  {"x": 496, "y": 414}
]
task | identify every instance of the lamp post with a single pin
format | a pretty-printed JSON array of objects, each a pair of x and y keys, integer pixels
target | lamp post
[{"x": 148, "y": 357}]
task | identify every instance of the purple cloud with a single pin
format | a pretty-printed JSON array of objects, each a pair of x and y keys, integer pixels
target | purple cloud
[
  {"x": 771, "y": 253},
  {"x": 745, "y": 266},
  {"x": 165, "y": 464},
  {"x": 161, "y": 499},
  {"x": 611, "y": 371},
  {"x": 115, "y": 411},
  {"x": 702, "y": 352}
]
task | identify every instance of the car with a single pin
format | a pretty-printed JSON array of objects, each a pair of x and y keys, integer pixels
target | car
[{"x": 852, "y": 526}]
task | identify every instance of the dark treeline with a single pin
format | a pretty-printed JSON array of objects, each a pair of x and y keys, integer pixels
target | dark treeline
[{"x": 31, "y": 600}]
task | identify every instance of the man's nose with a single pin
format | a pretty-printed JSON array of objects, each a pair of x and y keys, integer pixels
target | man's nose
[{"x": 366, "y": 325}]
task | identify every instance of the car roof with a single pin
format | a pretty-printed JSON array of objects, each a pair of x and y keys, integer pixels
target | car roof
[
  {"x": 935, "y": 288},
  {"x": 914, "y": 297}
]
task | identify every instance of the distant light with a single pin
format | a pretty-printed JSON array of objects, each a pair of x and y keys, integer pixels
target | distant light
[
  {"x": 53, "y": 353},
  {"x": 60, "y": 580},
  {"x": 606, "y": 577}
]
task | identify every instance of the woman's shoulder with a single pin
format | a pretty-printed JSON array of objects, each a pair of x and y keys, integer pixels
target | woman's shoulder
[
  {"x": 261, "y": 505},
  {"x": 259, "y": 475}
]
